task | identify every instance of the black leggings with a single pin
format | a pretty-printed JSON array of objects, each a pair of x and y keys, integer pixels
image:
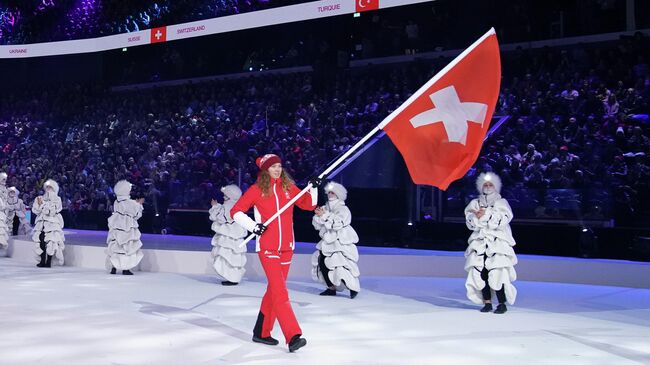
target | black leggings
[
  {"x": 324, "y": 271},
  {"x": 487, "y": 294}
]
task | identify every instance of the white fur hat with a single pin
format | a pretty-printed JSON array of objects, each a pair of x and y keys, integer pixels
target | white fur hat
[
  {"x": 3, "y": 178},
  {"x": 13, "y": 188},
  {"x": 53, "y": 184},
  {"x": 491, "y": 177},
  {"x": 122, "y": 188},
  {"x": 337, "y": 189},
  {"x": 232, "y": 191}
]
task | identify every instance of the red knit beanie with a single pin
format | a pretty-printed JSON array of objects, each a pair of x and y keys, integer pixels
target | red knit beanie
[{"x": 267, "y": 161}]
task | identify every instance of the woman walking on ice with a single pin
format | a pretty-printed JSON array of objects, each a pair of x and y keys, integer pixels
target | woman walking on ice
[{"x": 273, "y": 189}]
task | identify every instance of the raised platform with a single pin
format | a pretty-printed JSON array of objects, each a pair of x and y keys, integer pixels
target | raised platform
[{"x": 190, "y": 255}]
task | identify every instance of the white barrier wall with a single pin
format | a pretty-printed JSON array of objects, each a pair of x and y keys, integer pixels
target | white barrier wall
[{"x": 530, "y": 268}]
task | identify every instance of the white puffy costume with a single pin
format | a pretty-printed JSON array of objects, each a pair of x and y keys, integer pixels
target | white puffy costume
[
  {"x": 16, "y": 208},
  {"x": 48, "y": 229},
  {"x": 229, "y": 258},
  {"x": 335, "y": 261},
  {"x": 124, "y": 245},
  {"x": 490, "y": 257},
  {"x": 4, "y": 228}
]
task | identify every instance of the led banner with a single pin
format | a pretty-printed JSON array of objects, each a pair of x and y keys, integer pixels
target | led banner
[{"x": 261, "y": 18}]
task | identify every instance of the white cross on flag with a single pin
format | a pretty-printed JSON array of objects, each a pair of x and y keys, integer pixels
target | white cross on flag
[{"x": 439, "y": 130}]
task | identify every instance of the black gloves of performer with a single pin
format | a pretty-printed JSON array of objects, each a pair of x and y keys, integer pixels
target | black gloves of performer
[
  {"x": 259, "y": 229},
  {"x": 317, "y": 181}
]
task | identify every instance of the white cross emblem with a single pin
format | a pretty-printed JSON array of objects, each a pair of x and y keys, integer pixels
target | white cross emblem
[
  {"x": 452, "y": 113},
  {"x": 158, "y": 34}
]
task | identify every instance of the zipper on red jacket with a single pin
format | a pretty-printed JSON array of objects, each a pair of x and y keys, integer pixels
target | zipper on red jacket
[{"x": 277, "y": 207}]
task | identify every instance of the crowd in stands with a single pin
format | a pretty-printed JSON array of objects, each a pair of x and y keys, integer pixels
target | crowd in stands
[{"x": 577, "y": 120}]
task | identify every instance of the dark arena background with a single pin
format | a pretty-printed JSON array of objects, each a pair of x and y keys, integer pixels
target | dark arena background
[{"x": 181, "y": 97}]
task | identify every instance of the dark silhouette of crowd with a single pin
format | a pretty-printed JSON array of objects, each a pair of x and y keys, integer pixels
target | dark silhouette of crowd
[{"x": 577, "y": 120}]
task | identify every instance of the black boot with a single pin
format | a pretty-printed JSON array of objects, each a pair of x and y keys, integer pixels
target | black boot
[
  {"x": 43, "y": 258},
  {"x": 486, "y": 308},
  {"x": 328, "y": 292},
  {"x": 257, "y": 332},
  {"x": 353, "y": 294},
  {"x": 48, "y": 262},
  {"x": 228, "y": 283},
  {"x": 43, "y": 247},
  {"x": 113, "y": 271},
  {"x": 296, "y": 343},
  {"x": 501, "y": 308},
  {"x": 266, "y": 340},
  {"x": 127, "y": 272}
]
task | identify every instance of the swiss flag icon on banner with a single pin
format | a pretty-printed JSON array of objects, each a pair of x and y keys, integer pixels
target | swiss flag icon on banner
[
  {"x": 366, "y": 5},
  {"x": 159, "y": 35},
  {"x": 440, "y": 129}
]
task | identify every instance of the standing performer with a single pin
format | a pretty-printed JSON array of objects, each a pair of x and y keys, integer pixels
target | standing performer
[
  {"x": 273, "y": 189},
  {"x": 229, "y": 258},
  {"x": 4, "y": 229},
  {"x": 123, "y": 233},
  {"x": 490, "y": 258},
  {"x": 17, "y": 214},
  {"x": 335, "y": 261},
  {"x": 48, "y": 231}
]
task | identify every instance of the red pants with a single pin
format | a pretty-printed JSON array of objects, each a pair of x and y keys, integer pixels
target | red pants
[{"x": 275, "y": 303}]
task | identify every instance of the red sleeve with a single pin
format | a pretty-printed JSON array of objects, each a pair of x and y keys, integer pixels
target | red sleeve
[
  {"x": 304, "y": 202},
  {"x": 246, "y": 202}
]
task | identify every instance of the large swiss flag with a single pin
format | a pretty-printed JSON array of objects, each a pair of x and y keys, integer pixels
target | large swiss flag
[
  {"x": 440, "y": 129},
  {"x": 366, "y": 5}
]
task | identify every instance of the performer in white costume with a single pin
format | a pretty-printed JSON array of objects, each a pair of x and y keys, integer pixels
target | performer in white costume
[
  {"x": 16, "y": 209},
  {"x": 4, "y": 229},
  {"x": 490, "y": 258},
  {"x": 335, "y": 261},
  {"x": 229, "y": 258},
  {"x": 48, "y": 231},
  {"x": 124, "y": 245}
]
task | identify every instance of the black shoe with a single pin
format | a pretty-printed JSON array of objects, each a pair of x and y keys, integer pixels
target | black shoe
[
  {"x": 266, "y": 340},
  {"x": 127, "y": 272},
  {"x": 486, "y": 308},
  {"x": 296, "y": 343},
  {"x": 228, "y": 283},
  {"x": 328, "y": 292},
  {"x": 42, "y": 263},
  {"x": 48, "y": 262},
  {"x": 113, "y": 271},
  {"x": 353, "y": 294},
  {"x": 501, "y": 308}
]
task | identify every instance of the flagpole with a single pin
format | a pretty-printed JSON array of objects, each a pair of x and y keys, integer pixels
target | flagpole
[{"x": 379, "y": 127}]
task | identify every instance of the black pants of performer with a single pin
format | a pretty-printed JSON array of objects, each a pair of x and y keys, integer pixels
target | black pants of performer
[
  {"x": 487, "y": 294},
  {"x": 16, "y": 225},
  {"x": 324, "y": 270},
  {"x": 46, "y": 259}
]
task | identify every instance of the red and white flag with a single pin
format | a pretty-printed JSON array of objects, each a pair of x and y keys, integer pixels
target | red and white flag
[
  {"x": 366, "y": 5},
  {"x": 159, "y": 35},
  {"x": 440, "y": 129}
]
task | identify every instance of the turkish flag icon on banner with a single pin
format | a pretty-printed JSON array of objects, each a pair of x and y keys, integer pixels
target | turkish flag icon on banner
[
  {"x": 366, "y": 5},
  {"x": 440, "y": 129},
  {"x": 159, "y": 35}
]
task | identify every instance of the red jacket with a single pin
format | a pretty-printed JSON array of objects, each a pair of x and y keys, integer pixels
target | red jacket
[{"x": 279, "y": 234}]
